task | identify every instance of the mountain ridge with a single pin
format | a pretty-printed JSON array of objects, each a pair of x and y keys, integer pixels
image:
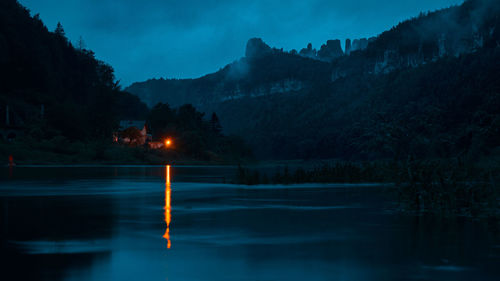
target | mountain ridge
[
  {"x": 408, "y": 44},
  {"x": 289, "y": 105}
]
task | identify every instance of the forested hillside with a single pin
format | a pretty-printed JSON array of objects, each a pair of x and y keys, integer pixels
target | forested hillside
[
  {"x": 446, "y": 108},
  {"x": 263, "y": 71},
  {"x": 428, "y": 87},
  {"x": 80, "y": 96},
  {"x": 58, "y": 103}
]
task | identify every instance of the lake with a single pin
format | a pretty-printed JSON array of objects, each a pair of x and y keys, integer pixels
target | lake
[{"x": 185, "y": 223}]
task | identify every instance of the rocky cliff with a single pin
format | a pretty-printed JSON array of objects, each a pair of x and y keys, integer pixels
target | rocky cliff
[
  {"x": 439, "y": 68},
  {"x": 256, "y": 48},
  {"x": 264, "y": 70}
]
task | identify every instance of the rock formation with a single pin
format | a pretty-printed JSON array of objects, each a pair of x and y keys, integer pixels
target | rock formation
[
  {"x": 308, "y": 52},
  {"x": 348, "y": 46},
  {"x": 256, "y": 48},
  {"x": 359, "y": 44},
  {"x": 330, "y": 51}
]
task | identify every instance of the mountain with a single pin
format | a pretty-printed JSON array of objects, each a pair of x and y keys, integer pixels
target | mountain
[
  {"x": 428, "y": 87},
  {"x": 262, "y": 71},
  {"x": 53, "y": 88}
]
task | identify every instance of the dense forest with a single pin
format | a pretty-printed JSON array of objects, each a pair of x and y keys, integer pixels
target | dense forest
[
  {"x": 427, "y": 88},
  {"x": 417, "y": 106},
  {"x": 446, "y": 108},
  {"x": 61, "y": 104},
  {"x": 81, "y": 98},
  {"x": 194, "y": 135}
]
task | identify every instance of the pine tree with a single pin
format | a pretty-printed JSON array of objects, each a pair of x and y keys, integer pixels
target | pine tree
[
  {"x": 215, "y": 124},
  {"x": 60, "y": 30},
  {"x": 81, "y": 44}
]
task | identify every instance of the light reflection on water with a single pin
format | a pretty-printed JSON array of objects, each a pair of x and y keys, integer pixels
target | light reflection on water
[
  {"x": 168, "y": 208},
  {"x": 113, "y": 226}
]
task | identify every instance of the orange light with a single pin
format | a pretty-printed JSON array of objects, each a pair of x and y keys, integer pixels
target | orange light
[
  {"x": 168, "y": 142},
  {"x": 168, "y": 208}
]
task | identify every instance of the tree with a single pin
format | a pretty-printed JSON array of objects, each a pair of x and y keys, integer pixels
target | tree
[
  {"x": 60, "y": 30},
  {"x": 215, "y": 124},
  {"x": 188, "y": 118},
  {"x": 80, "y": 95},
  {"x": 161, "y": 120},
  {"x": 81, "y": 44},
  {"x": 132, "y": 134}
]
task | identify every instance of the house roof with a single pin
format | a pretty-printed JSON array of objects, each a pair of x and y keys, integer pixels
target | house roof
[{"x": 125, "y": 124}]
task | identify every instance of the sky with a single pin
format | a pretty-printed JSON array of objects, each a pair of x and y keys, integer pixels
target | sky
[{"x": 145, "y": 39}]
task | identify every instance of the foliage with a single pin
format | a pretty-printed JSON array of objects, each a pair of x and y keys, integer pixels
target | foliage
[
  {"x": 332, "y": 172},
  {"x": 133, "y": 134},
  {"x": 244, "y": 76},
  {"x": 441, "y": 109},
  {"x": 449, "y": 187},
  {"x": 215, "y": 124},
  {"x": 446, "y": 186},
  {"x": 82, "y": 100},
  {"x": 428, "y": 87},
  {"x": 192, "y": 134}
]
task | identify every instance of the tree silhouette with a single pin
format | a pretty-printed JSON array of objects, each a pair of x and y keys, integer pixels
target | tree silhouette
[
  {"x": 133, "y": 134},
  {"x": 215, "y": 124},
  {"x": 81, "y": 44},
  {"x": 60, "y": 30}
]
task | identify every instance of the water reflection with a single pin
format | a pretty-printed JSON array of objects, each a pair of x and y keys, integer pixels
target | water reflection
[
  {"x": 98, "y": 227},
  {"x": 168, "y": 217}
]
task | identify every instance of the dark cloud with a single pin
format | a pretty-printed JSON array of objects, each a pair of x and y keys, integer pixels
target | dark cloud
[{"x": 189, "y": 38}]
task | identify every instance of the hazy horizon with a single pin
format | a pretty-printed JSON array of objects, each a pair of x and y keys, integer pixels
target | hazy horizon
[{"x": 187, "y": 40}]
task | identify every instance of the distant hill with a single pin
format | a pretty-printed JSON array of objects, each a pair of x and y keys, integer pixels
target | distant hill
[
  {"x": 42, "y": 69},
  {"x": 427, "y": 87},
  {"x": 262, "y": 71}
]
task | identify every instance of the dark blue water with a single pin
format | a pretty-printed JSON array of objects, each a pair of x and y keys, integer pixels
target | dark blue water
[{"x": 129, "y": 223}]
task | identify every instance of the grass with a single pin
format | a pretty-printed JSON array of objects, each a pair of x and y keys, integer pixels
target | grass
[
  {"x": 449, "y": 187},
  {"x": 59, "y": 150},
  {"x": 445, "y": 186}
]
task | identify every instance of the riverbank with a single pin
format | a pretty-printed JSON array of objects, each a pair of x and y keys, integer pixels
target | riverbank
[
  {"x": 448, "y": 186},
  {"x": 63, "y": 152},
  {"x": 445, "y": 186}
]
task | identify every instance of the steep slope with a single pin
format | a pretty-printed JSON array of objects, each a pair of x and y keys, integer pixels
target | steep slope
[
  {"x": 445, "y": 108},
  {"x": 450, "y": 32},
  {"x": 263, "y": 71},
  {"x": 427, "y": 87},
  {"x": 41, "y": 69}
]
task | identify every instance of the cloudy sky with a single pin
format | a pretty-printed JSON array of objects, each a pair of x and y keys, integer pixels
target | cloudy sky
[{"x": 145, "y": 39}]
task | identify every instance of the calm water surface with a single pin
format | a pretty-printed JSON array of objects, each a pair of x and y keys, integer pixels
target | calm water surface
[{"x": 183, "y": 223}]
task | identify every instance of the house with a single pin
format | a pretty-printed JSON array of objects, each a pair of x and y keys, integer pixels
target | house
[
  {"x": 133, "y": 132},
  {"x": 156, "y": 144}
]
